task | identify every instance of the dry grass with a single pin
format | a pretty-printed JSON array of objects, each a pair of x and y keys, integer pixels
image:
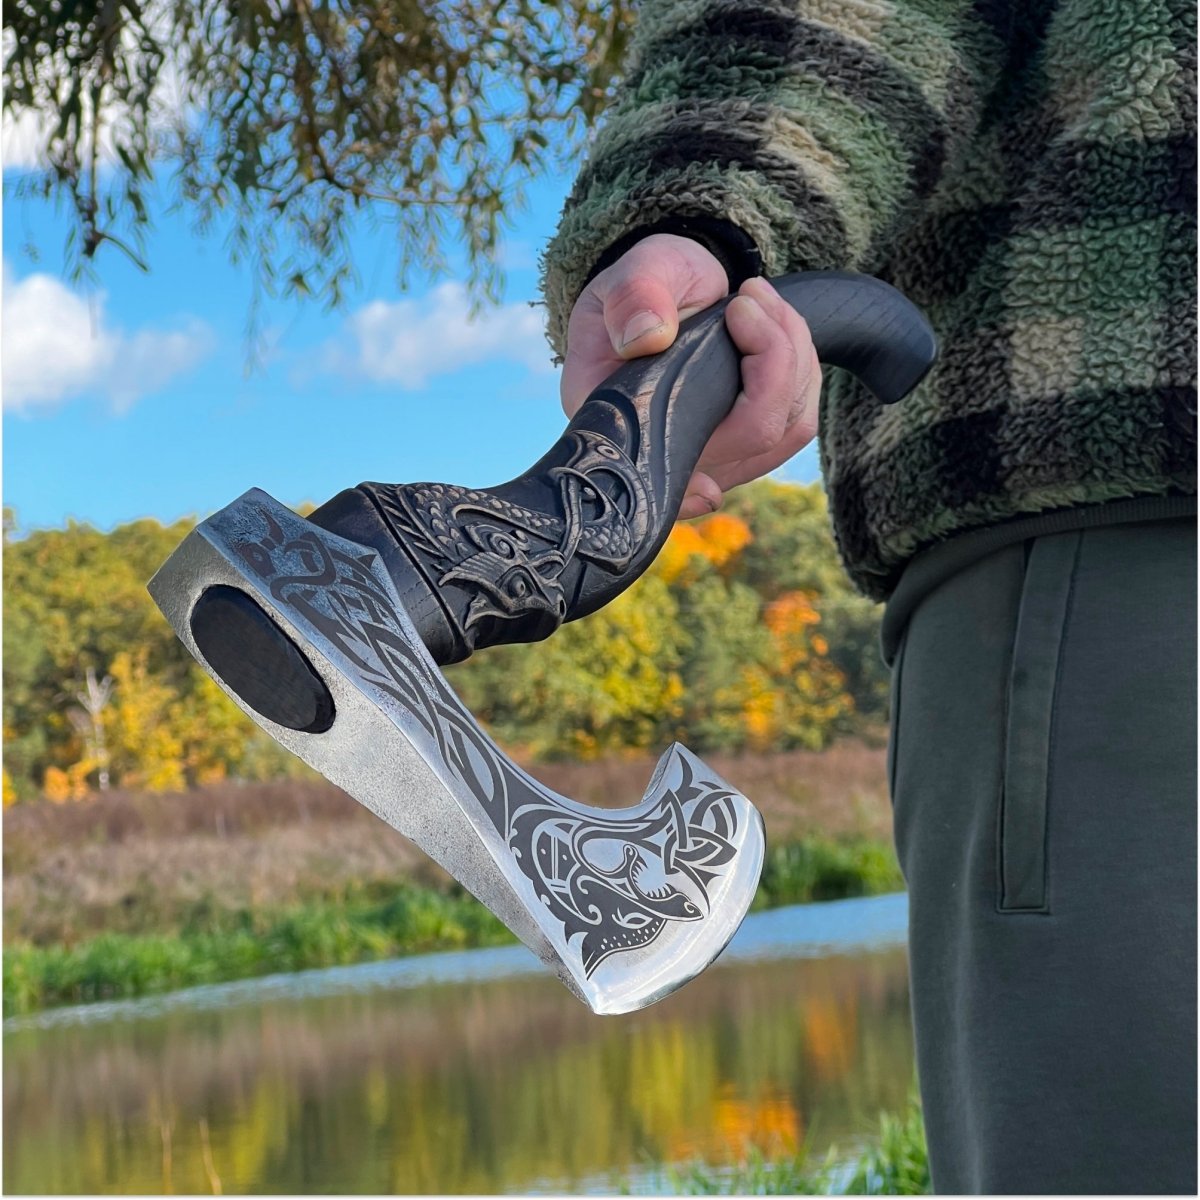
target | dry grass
[
  {"x": 139, "y": 863},
  {"x": 841, "y": 792}
]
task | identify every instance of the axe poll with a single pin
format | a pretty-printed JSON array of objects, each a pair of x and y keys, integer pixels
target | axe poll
[{"x": 329, "y": 632}]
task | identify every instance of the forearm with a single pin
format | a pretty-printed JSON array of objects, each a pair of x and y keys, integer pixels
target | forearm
[{"x": 804, "y": 131}]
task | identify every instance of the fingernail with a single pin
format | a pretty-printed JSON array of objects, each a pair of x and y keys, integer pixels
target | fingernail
[
  {"x": 697, "y": 504},
  {"x": 639, "y": 325},
  {"x": 757, "y": 310},
  {"x": 753, "y": 309}
]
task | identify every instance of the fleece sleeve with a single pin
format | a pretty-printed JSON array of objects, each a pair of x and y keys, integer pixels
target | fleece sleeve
[{"x": 783, "y": 135}]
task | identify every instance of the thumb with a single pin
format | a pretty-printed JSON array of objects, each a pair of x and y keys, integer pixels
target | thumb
[{"x": 641, "y": 316}]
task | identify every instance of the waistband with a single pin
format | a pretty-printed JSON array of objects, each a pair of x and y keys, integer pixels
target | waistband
[{"x": 931, "y": 567}]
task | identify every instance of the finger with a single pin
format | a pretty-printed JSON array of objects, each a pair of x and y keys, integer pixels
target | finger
[
  {"x": 803, "y": 354},
  {"x": 798, "y": 435},
  {"x": 776, "y": 363},
  {"x": 638, "y": 316},
  {"x": 648, "y": 291},
  {"x": 634, "y": 307},
  {"x": 804, "y": 411},
  {"x": 702, "y": 497},
  {"x": 641, "y": 315},
  {"x": 590, "y": 357}
]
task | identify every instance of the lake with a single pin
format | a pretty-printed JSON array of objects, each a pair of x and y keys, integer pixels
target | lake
[{"x": 472, "y": 1072}]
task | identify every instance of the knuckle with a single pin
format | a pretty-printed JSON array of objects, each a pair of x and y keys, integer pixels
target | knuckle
[
  {"x": 637, "y": 292},
  {"x": 809, "y": 421},
  {"x": 789, "y": 356}
]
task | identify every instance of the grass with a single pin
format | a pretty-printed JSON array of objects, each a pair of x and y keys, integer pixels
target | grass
[
  {"x": 894, "y": 1163},
  {"x": 897, "y": 1164},
  {"x": 821, "y": 868},
  {"x": 840, "y": 791},
  {"x": 387, "y": 920},
  {"x": 131, "y": 894},
  {"x": 410, "y": 920}
]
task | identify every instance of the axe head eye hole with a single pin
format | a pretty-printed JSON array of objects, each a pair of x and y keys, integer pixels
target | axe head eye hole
[{"x": 258, "y": 662}]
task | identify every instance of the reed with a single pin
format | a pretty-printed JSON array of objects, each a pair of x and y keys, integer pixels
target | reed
[{"x": 821, "y": 868}]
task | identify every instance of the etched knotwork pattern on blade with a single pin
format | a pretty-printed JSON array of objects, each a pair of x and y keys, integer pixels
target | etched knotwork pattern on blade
[{"x": 614, "y": 883}]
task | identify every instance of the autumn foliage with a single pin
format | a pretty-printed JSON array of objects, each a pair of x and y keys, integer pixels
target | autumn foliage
[{"x": 743, "y": 635}]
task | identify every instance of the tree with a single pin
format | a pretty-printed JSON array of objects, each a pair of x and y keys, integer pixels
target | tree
[
  {"x": 809, "y": 693},
  {"x": 88, "y": 719},
  {"x": 793, "y": 551},
  {"x": 743, "y": 634},
  {"x": 75, "y": 610},
  {"x": 793, "y": 547},
  {"x": 294, "y": 116},
  {"x": 604, "y": 685}
]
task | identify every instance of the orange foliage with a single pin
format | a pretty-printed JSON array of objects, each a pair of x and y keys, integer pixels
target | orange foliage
[
  {"x": 830, "y": 1034},
  {"x": 724, "y": 538},
  {"x": 739, "y": 1127},
  {"x": 718, "y": 540},
  {"x": 802, "y": 688},
  {"x": 62, "y": 786},
  {"x": 683, "y": 542},
  {"x": 790, "y": 614},
  {"x": 770, "y": 1125}
]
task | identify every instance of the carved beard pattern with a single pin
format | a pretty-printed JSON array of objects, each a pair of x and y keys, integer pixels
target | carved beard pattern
[{"x": 615, "y": 883}]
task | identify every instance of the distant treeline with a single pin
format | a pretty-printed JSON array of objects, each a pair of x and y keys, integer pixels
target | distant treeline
[{"x": 744, "y": 635}]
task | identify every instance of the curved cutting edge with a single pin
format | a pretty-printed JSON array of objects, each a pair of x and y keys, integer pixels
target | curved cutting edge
[{"x": 625, "y": 905}]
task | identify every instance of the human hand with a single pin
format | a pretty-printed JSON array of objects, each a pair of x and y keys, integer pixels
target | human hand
[{"x": 634, "y": 307}]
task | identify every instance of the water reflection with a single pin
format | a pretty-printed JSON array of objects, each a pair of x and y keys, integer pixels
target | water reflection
[{"x": 482, "y": 1086}]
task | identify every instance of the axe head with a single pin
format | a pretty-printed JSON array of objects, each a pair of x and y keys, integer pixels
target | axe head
[
  {"x": 305, "y": 631},
  {"x": 328, "y": 633}
]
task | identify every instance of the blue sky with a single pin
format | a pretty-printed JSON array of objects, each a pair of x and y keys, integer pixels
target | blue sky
[{"x": 132, "y": 398}]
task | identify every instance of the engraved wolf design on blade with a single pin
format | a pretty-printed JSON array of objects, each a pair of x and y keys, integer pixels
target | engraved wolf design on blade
[{"x": 614, "y": 884}]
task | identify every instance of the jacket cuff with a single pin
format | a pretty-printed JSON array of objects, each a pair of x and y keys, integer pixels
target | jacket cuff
[{"x": 729, "y": 244}]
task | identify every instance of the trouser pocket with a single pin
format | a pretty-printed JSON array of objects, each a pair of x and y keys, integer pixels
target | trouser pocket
[
  {"x": 1029, "y": 724},
  {"x": 893, "y": 747}
]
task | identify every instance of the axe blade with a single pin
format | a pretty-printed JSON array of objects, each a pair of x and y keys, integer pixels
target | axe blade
[{"x": 623, "y": 905}]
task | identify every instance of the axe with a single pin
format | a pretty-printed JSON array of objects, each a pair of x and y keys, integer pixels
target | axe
[{"x": 329, "y": 632}]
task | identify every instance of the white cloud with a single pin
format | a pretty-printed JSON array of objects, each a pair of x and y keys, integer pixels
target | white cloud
[
  {"x": 57, "y": 346},
  {"x": 409, "y": 342}
]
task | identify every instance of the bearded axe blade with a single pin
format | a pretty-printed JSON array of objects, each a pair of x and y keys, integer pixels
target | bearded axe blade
[
  {"x": 624, "y": 905},
  {"x": 329, "y": 631}
]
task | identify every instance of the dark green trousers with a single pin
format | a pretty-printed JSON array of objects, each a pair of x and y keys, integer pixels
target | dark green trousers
[{"x": 1043, "y": 772}]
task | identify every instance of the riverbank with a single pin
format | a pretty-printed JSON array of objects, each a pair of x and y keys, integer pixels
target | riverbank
[
  {"x": 340, "y": 1081},
  {"x": 133, "y": 894},
  {"x": 386, "y": 921}
]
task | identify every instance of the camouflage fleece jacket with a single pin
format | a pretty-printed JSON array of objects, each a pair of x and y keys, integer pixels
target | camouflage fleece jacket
[{"x": 1025, "y": 171}]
